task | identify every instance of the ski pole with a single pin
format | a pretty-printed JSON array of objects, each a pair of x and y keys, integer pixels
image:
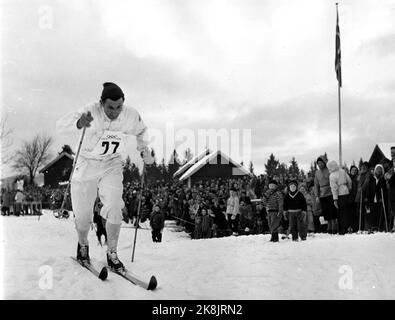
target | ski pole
[
  {"x": 183, "y": 220},
  {"x": 138, "y": 210},
  {"x": 385, "y": 213},
  {"x": 72, "y": 171}
]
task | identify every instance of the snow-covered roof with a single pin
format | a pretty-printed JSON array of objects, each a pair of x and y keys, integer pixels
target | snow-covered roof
[
  {"x": 239, "y": 170},
  {"x": 61, "y": 155},
  {"x": 385, "y": 148},
  {"x": 191, "y": 162}
]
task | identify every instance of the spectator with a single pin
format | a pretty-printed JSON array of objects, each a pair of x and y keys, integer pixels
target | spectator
[
  {"x": 207, "y": 223},
  {"x": 390, "y": 178},
  {"x": 157, "y": 223},
  {"x": 309, "y": 204},
  {"x": 99, "y": 221},
  {"x": 295, "y": 208},
  {"x": 317, "y": 212},
  {"x": 324, "y": 194},
  {"x": 6, "y": 201},
  {"x": 198, "y": 231},
  {"x": 354, "y": 175},
  {"x": 273, "y": 201},
  {"x": 341, "y": 184},
  {"x": 377, "y": 216},
  {"x": 220, "y": 225},
  {"x": 232, "y": 210},
  {"x": 362, "y": 194},
  {"x": 19, "y": 198}
]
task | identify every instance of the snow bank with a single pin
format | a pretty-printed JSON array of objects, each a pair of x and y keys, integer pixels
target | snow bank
[{"x": 37, "y": 265}]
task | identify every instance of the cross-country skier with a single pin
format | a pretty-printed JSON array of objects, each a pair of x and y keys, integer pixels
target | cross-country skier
[{"x": 99, "y": 167}]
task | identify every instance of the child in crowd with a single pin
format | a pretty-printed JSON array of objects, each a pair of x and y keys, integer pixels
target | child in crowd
[
  {"x": 207, "y": 223},
  {"x": 198, "y": 232},
  {"x": 273, "y": 201},
  {"x": 295, "y": 208},
  {"x": 99, "y": 221},
  {"x": 157, "y": 223}
]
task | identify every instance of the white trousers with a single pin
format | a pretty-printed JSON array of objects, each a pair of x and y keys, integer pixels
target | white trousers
[{"x": 94, "y": 178}]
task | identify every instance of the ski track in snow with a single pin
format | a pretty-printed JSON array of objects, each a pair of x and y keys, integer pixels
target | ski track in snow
[{"x": 244, "y": 267}]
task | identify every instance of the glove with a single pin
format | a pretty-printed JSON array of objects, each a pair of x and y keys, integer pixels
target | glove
[
  {"x": 335, "y": 203},
  {"x": 233, "y": 217},
  {"x": 147, "y": 156},
  {"x": 285, "y": 216},
  {"x": 85, "y": 120}
]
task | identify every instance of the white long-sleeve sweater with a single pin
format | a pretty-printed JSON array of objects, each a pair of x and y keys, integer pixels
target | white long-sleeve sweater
[
  {"x": 339, "y": 180},
  {"x": 128, "y": 122}
]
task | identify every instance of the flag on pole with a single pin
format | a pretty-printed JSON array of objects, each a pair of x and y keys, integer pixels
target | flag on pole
[{"x": 338, "y": 66}]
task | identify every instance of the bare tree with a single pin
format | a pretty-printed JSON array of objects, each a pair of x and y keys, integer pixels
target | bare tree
[
  {"x": 6, "y": 140},
  {"x": 32, "y": 155}
]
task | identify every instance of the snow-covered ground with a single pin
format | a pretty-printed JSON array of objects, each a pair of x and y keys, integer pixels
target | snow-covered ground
[{"x": 36, "y": 264}]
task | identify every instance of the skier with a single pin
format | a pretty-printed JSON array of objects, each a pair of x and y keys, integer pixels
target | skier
[{"x": 99, "y": 166}]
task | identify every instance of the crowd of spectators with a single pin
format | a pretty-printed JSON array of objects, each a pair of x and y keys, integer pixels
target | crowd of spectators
[{"x": 331, "y": 199}]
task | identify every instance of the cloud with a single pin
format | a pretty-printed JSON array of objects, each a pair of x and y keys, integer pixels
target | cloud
[{"x": 381, "y": 46}]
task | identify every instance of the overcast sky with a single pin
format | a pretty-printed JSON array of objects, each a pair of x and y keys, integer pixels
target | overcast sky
[{"x": 267, "y": 66}]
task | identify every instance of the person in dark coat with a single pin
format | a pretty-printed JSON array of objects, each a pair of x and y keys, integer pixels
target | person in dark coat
[
  {"x": 324, "y": 196},
  {"x": 390, "y": 178},
  {"x": 295, "y": 210},
  {"x": 220, "y": 225},
  {"x": 207, "y": 223},
  {"x": 362, "y": 195},
  {"x": 354, "y": 176},
  {"x": 99, "y": 221},
  {"x": 157, "y": 223},
  {"x": 377, "y": 216}
]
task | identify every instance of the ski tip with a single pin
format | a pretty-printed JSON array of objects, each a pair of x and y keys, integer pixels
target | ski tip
[
  {"x": 152, "y": 283},
  {"x": 103, "y": 274}
]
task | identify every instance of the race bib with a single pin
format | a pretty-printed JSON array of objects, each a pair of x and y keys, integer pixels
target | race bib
[{"x": 110, "y": 143}]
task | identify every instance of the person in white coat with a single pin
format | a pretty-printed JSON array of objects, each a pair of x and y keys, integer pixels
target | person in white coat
[
  {"x": 98, "y": 170},
  {"x": 341, "y": 184}
]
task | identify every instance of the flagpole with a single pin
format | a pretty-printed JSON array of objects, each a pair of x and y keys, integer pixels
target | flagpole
[
  {"x": 338, "y": 73},
  {"x": 340, "y": 128}
]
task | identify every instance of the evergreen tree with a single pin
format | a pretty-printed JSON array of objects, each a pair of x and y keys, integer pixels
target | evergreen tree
[
  {"x": 188, "y": 155},
  {"x": 66, "y": 148},
  {"x": 251, "y": 167},
  {"x": 271, "y": 165},
  {"x": 163, "y": 171},
  {"x": 294, "y": 168},
  {"x": 174, "y": 164},
  {"x": 360, "y": 163},
  {"x": 134, "y": 172},
  {"x": 282, "y": 171}
]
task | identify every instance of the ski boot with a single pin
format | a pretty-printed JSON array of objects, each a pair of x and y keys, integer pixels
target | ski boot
[
  {"x": 114, "y": 263},
  {"x": 83, "y": 254}
]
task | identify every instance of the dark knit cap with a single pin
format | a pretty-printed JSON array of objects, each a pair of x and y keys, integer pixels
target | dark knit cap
[
  {"x": 272, "y": 181},
  {"x": 293, "y": 182},
  {"x": 111, "y": 91}
]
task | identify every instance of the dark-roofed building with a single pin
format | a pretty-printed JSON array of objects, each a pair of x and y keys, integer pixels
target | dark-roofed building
[
  {"x": 381, "y": 152},
  {"x": 210, "y": 165},
  {"x": 58, "y": 170}
]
